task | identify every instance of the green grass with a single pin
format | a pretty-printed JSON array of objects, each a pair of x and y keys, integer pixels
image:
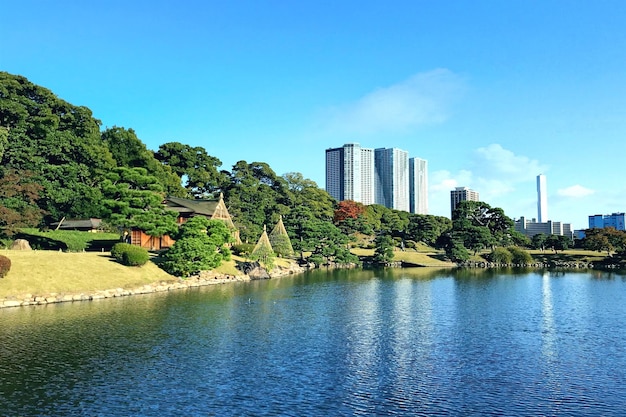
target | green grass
[
  {"x": 45, "y": 272},
  {"x": 425, "y": 257},
  {"x": 73, "y": 241}
]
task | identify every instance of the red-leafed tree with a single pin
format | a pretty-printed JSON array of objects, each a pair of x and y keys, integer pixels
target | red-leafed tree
[
  {"x": 348, "y": 209},
  {"x": 18, "y": 198}
]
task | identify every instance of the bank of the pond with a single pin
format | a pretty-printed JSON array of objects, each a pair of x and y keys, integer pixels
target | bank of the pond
[{"x": 44, "y": 277}]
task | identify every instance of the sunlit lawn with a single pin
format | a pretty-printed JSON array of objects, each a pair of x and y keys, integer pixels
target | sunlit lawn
[
  {"x": 44, "y": 272},
  {"x": 431, "y": 258}
]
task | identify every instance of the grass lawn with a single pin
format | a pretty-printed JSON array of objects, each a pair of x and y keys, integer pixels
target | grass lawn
[
  {"x": 424, "y": 258},
  {"x": 45, "y": 272}
]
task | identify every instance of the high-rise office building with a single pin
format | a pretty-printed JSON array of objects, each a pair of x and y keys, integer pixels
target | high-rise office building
[
  {"x": 418, "y": 186},
  {"x": 542, "y": 199},
  {"x": 461, "y": 194},
  {"x": 392, "y": 178},
  {"x": 615, "y": 220},
  {"x": 350, "y": 173}
]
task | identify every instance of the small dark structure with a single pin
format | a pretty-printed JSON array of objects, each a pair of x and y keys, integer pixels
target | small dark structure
[{"x": 83, "y": 225}]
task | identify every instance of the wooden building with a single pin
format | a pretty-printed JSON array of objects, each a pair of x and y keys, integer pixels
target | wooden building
[{"x": 186, "y": 208}]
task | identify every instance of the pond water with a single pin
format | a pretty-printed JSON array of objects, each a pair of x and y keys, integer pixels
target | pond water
[{"x": 329, "y": 343}]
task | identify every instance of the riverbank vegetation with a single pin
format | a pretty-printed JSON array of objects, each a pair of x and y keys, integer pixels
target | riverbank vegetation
[{"x": 57, "y": 162}]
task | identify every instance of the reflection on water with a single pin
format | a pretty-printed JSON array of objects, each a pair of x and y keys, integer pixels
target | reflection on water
[{"x": 406, "y": 342}]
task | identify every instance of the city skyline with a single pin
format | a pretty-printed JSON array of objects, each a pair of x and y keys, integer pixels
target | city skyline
[
  {"x": 375, "y": 176},
  {"x": 489, "y": 93}
]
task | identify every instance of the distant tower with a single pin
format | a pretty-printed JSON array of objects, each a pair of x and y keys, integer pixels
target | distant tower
[
  {"x": 350, "y": 173},
  {"x": 461, "y": 194},
  {"x": 392, "y": 178},
  {"x": 418, "y": 185},
  {"x": 542, "y": 199}
]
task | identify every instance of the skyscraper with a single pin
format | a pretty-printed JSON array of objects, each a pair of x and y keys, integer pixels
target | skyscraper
[
  {"x": 542, "y": 199},
  {"x": 350, "y": 173},
  {"x": 461, "y": 194},
  {"x": 392, "y": 178},
  {"x": 418, "y": 186}
]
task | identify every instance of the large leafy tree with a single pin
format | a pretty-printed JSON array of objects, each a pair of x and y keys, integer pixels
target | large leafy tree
[
  {"x": 18, "y": 202},
  {"x": 200, "y": 246},
  {"x": 326, "y": 243},
  {"x": 58, "y": 142},
  {"x": 195, "y": 166},
  {"x": 134, "y": 199},
  {"x": 303, "y": 192},
  {"x": 130, "y": 152},
  {"x": 606, "y": 239},
  {"x": 558, "y": 242},
  {"x": 383, "y": 252},
  {"x": 470, "y": 215},
  {"x": 256, "y": 196},
  {"x": 427, "y": 228}
]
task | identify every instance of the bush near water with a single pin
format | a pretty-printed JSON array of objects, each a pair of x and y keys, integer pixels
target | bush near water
[
  {"x": 5, "y": 266},
  {"x": 130, "y": 255}
]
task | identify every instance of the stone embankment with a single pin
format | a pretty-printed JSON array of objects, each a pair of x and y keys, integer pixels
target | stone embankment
[
  {"x": 540, "y": 265},
  {"x": 203, "y": 279}
]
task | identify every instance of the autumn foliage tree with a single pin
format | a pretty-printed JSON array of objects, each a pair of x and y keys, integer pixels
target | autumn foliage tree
[
  {"x": 348, "y": 209},
  {"x": 18, "y": 202}
]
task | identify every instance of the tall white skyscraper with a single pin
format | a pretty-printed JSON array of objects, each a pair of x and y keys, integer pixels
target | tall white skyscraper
[
  {"x": 542, "y": 199},
  {"x": 350, "y": 173},
  {"x": 418, "y": 186},
  {"x": 392, "y": 178}
]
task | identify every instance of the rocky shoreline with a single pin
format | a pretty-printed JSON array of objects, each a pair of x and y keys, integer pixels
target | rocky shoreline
[{"x": 200, "y": 280}]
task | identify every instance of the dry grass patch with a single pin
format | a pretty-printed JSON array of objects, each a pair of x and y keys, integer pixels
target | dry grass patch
[{"x": 45, "y": 272}]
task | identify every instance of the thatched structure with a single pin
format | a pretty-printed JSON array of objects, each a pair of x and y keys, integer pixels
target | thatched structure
[
  {"x": 263, "y": 247},
  {"x": 279, "y": 239}
]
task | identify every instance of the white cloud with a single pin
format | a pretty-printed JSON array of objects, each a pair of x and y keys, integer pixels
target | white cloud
[
  {"x": 575, "y": 191},
  {"x": 422, "y": 99},
  {"x": 495, "y": 162},
  {"x": 501, "y": 177}
]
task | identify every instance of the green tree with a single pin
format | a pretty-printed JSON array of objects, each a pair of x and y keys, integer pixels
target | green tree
[
  {"x": 130, "y": 152},
  {"x": 326, "y": 242},
  {"x": 605, "y": 239},
  {"x": 538, "y": 241},
  {"x": 195, "y": 166},
  {"x": 56, "y": 141},
  {"x": 256, "y": 196},
  {"x": 452, "y": 243},
  {"x": 201, "y": 246},
  {"x": 427, "y": 228},
  {"x": 383, "y": 252},
  {"x": 134, "y": 199},
  {"x": 558, "y": 242},
  {"x": 477, "y": 214},
  {"x": 520, "y": 256},
  {"x": 501, "y": 256},
  {"x": 303, "y": 192}
]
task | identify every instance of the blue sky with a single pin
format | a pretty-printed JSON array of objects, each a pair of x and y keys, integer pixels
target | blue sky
[{"x": 491, "y": 93}]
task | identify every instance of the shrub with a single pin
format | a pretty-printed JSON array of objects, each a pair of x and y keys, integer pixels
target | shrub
[
  {"x": 118, "y": 249},
  {"x": 136, "y": 256},
  {"x": 243, "y": 249},
  {"x": 500, "y": 256},
  {"x": 520, "y": 256},
  {"x": 130, "y": 255},
  {"x": 5, "y": 266}
]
